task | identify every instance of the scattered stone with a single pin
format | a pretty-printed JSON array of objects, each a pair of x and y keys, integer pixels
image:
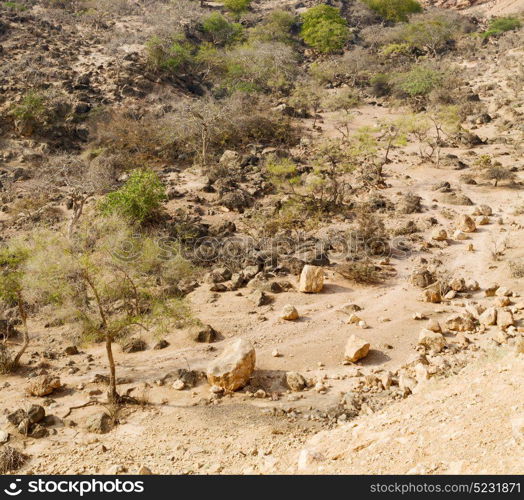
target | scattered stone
[
  {"x": 38, "y": 431},
  {"x": 161, "y": 344},
  {"x": 519, "y": 345},
  {"x": 295, "y": 381},
  {"x": 419, "y": 316},
  {"x": 502, "y": 301},
  {"x": 43, "y": 385},
  {"x": 4, "y": 437},
  {"x": 499, "y": 337},
  {"x": 504, "y": 318},
  {"x": 36, "y": 413},
  {"x": 483, "y": 221},
  {"x": 458, "y": 284},
  {"x": 356, "y": 349},
  {"x": 432, "y": 295},
  {"x": 311, "y": 279},
  {"x": 234, "y": 367},
  {"x": 460, "y": 235},
  {"x": 491, "y": 290},
  {"x": 502, "y": 291},
  {"x": 100, "y": 423},
  {"x": 406, "y": 383},
  {"x": 439, "y": 234},
  {"x": 353, "y": 319},
  {"x": 483, "y": 210},
  {"x": 433, "y": 341},
  {"x": 434, "y": 326},
  {"x": 422, "y": 278},
  {"x": 472, "y": 285},
  {"x": 460, "y": 322},
  {"x": 466, "y": 224},
  {"x": 350, "y": 308},
  {"x": 144, "y": 471},
  {"x": 179, "y": 385},
  {"x": 207, "y": 335},
  {"x": 261, "y": 298},
  {"x": 386, "y": 379},
  {"x": 134, "y": 345},
  {"x": 16, "y": 417},
  {"x": 71, "y": 350},
  {"x": 276, "y": 353},
  {"x": 488, "y": 317},
  {"x": 289, "y": 313}
]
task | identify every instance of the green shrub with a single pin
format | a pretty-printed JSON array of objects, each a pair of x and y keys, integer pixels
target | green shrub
[
  {"x": 221, "y": 31},
  {"x": 282, "y": 171},
  {"x": 394, "y": 10},
  {"x": 171, "y": 54},
  {"x": 417, "y": 82},
  {"x": 251, "y": 67},
  {"x": 500, "y": 25},
  {"x": 32, "y": 108},
  {"x": 432, "y": 31},
  {"x": 324, "y": 29},
  {"x": 275, "y": 28},
  {"x": 140, "y": 199},
  {"x": 237, "y": 6},
  {"x": 14, "y": 6}
]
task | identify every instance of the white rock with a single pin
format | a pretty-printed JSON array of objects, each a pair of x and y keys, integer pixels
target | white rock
[
  {"x": 504, "y": 318},
  {"x": 465, "y": 223},
  {"x": 460, "y": 235},
  {"x": 234, "y": 367},
  {"x": 179, "y": 385},
  {"x": 488, "y": 317},
  {"x": 289, "y": 313},
  {"x": 356, "y": 348},
  {"x": 311, "y": 279}
]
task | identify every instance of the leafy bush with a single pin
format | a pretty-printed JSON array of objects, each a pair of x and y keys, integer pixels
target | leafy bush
[
  {"x": 500, "y": 25},
  {"x": 172, "y": 53},
  {"x": 282, "y": 171},
  {"x": 237, "y": 6},
  {"x": 324, "y": 29},
  {"x": 221, "y": 31},
  {"x": 394, "y": 10},
  {"x": 417, "y": 82},
  {"x": 277, "y": 27},
  {"x": 139, "y": 199},
  {"x": 433, "y": 31},
  {"x": 32, "y": 109},
  {"x": 253, "y": 67}
]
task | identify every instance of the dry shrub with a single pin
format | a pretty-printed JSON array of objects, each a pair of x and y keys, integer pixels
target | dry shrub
[
  {"x": 11, "y": 459},
  {"x": 370, "y": 233},
  {"x": 194, "y": 130},
  {"x": 364, "y": 272}
]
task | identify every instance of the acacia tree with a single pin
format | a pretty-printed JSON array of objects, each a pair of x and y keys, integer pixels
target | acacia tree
[{"x": 110, "y": 280}]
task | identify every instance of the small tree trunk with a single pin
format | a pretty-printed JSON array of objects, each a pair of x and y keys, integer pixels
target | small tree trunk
[
  {"x": 112, "y": 394},
  {"x": 25, "y": 333}
]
